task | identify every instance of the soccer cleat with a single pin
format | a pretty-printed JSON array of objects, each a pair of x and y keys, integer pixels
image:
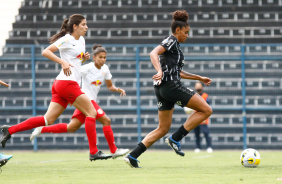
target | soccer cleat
[
  {"x": 197, "y": 150},
  {"x": 131, "y": 161},
  {"x": 3, "y": 161},
  {"x": 5, "y": 135},
  {"x": 119, "y": 152},
  {"x": 99, "y": 156},
  {"x": 174, "y": 145},
  {"x": 36, "y": 132},
  {"x": 5, "y": 156}
]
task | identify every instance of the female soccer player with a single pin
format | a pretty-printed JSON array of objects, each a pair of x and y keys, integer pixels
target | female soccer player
[
  {"x": 71, "y": 44},
  {"x": 168, "y": 60},
  {"x": 4, "y": 84},
  {"x": 93, "y": 76}
]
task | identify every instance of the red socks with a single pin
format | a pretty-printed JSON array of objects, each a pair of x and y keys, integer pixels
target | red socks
[
  {"x": 108, "y": 132},
  {"x": 28, "y": 124},
  {"x": 90, "y": 129},
  {"x": 58, "y": 128}
]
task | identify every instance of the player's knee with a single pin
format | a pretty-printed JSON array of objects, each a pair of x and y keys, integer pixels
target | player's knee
[
  {"x": 107, "y": 122},
  {"x": 91, "y": 113},
  {"x": 208, "y": 111},
  {"x": 49, "y": 121},
  {"x": 71, "y": 129}
]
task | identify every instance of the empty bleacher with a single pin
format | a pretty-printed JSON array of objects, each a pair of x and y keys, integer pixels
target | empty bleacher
[
  {"x": 127, "y": 21},
  {"x": 145, "y": 24}
]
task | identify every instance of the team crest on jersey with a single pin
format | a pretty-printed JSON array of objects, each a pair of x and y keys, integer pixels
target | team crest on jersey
[
  {"x": 80, "y": 56},
  {"x": 97, "y": 82}
]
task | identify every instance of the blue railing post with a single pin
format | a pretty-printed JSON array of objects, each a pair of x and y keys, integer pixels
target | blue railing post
[
  {"x": 243, "y": 97},
  {"x": 33, "y": 89},
  {"x": 138, "y": 104}
]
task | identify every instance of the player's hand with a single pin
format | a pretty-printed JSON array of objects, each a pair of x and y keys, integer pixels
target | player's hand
[
  {"x": 66, "y": 68},
  {"x": 86, "y": 57},
  {"x": 122, "y": 92},
  {"x": 205, "y": 80},
  {"x": 4, "y": 84},
  {"x": 158, "y": 77}
]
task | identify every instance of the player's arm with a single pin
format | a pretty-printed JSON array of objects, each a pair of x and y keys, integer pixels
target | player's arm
[
  {"x": 4, "y": 84},
  {"x": 113, "y": 88},
  {"x": 186, "y": 75},
  {"x": 49, "y": 53},
  {"x": 154, "y": 56}
]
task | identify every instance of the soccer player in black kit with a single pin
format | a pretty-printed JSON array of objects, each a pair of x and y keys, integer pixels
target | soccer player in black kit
[{"x": 168, "y": 60}]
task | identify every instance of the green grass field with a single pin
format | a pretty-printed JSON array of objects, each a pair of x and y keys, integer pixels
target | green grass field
[{"x": 157, "y": 167}]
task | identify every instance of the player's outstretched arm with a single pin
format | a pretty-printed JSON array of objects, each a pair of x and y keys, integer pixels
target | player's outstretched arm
[
  {"x": 4, "y": 84},
  {"x": 186, "y": 75},
  {"x": 113, "y": 88}
]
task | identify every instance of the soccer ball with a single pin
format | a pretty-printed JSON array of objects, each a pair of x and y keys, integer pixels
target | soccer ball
[{"x": 250, "y": 158}]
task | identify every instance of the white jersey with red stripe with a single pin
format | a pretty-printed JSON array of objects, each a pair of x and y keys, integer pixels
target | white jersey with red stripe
[
  {"x": 93, "y": 78},
  {"x": 71, "y": 51}
]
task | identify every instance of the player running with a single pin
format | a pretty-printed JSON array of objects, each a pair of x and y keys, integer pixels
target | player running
[
  {"x": 93, "y": 76},
  {"x": 168, "y": 60},
  {"x": 71, "y": 44}
]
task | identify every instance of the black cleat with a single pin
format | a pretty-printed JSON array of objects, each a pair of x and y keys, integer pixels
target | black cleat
[
  {"x": 5, "y": 135},
  {"x": 99, "y": 156},
  {"x": 3, "y": 161},
  {"x": 174, "y": 145},
  {"x": 131, "y": 161}
]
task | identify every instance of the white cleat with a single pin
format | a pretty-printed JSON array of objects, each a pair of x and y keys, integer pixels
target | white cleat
[
  {"x": 209, "y": 150},
  {"x": 119, "y": 152},
  {"x": 36, "y": 132},
  {"x": 197, "y": 150}
]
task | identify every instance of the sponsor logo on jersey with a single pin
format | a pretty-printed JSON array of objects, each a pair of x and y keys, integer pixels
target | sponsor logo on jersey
[
  {"x": 80, "y": 56},
  {"x": 97, "y": 82}
]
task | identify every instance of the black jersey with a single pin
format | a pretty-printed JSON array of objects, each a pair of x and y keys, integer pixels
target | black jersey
[{"x": 172, "y": 60}]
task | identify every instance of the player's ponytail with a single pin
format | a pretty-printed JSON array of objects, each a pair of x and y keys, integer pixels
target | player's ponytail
[
  {"x": 97, "y": 49},
  {"x": 67, "y": 26},
  {"x": 180, "y": 19}
]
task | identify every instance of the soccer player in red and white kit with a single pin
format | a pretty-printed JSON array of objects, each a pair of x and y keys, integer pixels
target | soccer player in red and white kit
[
  {"x": 93, "y": 76},
  {"x": 71, "y": 44}
]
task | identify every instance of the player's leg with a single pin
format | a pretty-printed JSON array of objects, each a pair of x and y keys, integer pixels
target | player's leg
[
  {"x": 72, "y": 127},
  {"x": 205, "y": 130},
  {"x": 108, "y": 132},
  {"x": 165, "y": 118},
  {"x": 109, "y": 135},
  {"x": 53, "y": 112},
  {"x": 202, "y": 112},
  {"x": 198, "y": 140}
]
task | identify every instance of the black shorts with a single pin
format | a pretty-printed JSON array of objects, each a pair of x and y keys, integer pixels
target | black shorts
[{"x": 172, "y": 92}]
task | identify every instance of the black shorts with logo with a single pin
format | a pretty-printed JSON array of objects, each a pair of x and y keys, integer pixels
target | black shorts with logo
[{"x": 172, "y": 92}]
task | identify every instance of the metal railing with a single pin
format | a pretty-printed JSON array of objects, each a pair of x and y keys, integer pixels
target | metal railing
[{"x": 137, "y": 53}]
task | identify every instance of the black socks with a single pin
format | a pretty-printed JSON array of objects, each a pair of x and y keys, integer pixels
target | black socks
[
  {"x": 140, "y": 148},
  {"x": 179, "y": 134}
]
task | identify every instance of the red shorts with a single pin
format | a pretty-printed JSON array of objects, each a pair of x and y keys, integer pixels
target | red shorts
[
  {"x": 81, "y": 117},
  {"x": 65, "y": 92}
]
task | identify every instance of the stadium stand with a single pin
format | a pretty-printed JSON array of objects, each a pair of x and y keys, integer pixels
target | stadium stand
[{"x": 147, "y": 22}]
